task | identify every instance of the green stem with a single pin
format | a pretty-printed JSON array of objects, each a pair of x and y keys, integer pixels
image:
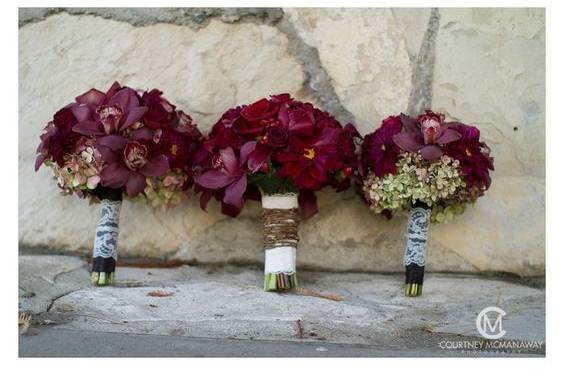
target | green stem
[
  {"x": 413, "y": 289},
  {"x": 102, "y": 278},
  {"x": 280, "y": 281}
]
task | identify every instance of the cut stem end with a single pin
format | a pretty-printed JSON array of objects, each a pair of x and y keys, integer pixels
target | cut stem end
[
  {"x": 280, "y": 281},
  {"x": 413, "y": 289},
  {"x": 102, "y": 278}
]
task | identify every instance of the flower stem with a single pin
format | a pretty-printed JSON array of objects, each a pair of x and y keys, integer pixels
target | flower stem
[
  {"x": 102, "y": 278},
  {"x": 414, "y": 280},
  {"x": 280, "y": 281},
  {"x": 413, "y": 289}
]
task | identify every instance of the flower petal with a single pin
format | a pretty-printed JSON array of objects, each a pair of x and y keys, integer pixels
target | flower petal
[
  {"x": 308, "y": 203},
  {"x": 134, "y": 115},
  {"x": 135, "y": 184},
  {"x": 283, "y": 116},
  {"x": 448, "y": 135},
  {"x": 246, "y": 150},
  {"x": 431, "y": 152},
  {"x": 114, "y": 175},
  {"x": 329, "y": 136},
  {"x": 229, "y": 159},
  {"x": 81, "y": 112},
  {"x": 407, "y": 141},
  {"x": 88, "y": 128},
  {"x": 257, "y": 158},
  {"x": 93, "y": 181},
  {"x": 205, "y": 198},
  {"x": 39, "y": 161},
  {"x": 108, "y": 156},
  {"x": 234, "y": 192},
  {"x": 113, "y": 89},
  {"x": 230, "y": 210},
  {"x": 214, "y": 179},
  {"x": 113, "y": 141},
  {"x": 92, "y": 96},
  {"x": 409, "y": 123},
  {"x": 156, "y": 167},
  {"x": 126, "y": 98},
  {"x": 144, "y": 133}
]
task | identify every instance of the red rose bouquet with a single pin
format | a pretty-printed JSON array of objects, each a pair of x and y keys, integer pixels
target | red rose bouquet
[
  {"x": 425, "y": 166},
  {"x": 281, "y": 151},
  {"x": 121, "y": 143}
]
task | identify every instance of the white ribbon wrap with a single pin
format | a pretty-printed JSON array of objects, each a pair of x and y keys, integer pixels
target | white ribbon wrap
[
  {"x": 107, "y": 232},
  {"x": 280, "y": 259},
  {"x": 417, "y": 230}
]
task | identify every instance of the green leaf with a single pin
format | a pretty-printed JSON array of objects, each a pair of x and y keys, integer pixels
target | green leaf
[{"x": 271, "y": 183}]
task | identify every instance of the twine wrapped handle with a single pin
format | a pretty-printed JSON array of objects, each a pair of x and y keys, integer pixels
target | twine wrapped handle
[
  {"x": 280, "y": 227},
  {"x": 280, "y": 218}
]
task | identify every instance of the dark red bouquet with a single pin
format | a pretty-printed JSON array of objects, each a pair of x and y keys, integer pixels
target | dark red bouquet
[
  {"x": 274, "y": 148},
  {"x": 120, "y": 143},
  {"x": 427, "y": 166}
]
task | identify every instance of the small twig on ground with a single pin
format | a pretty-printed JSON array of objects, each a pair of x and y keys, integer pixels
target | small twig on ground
[
  {"x": 308, "y": 292},
  {"x": 299, "y": 329},
  {"x": 159, "y": 293}
]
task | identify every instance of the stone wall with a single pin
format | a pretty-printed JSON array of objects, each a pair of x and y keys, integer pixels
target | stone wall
[{"x": 484, "y": 66}]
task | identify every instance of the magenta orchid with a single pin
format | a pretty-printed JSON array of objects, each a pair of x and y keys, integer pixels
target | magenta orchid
[
  {"x": 229, "y": 173},
  {"x": 101, "y": 114},
  {"x": 425, "y": 135},
  {"x": 129, "y": 164}
]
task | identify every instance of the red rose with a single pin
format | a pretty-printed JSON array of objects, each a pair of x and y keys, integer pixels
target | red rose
[
  {"x": 276, "y": 136},
  {"x": 257, "y": 116},
  {"x": 186, "y": 126},
  {"x": 160, "y": 112}
]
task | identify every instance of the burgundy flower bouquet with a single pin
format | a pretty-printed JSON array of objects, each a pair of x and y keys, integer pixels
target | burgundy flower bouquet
[
  {"x": 121, "y": 143},
  {"x": 280, "y": 151},
  {"x": 428, "y": 167}
]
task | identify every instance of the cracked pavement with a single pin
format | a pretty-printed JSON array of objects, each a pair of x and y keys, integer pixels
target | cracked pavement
[{"x": 216, "y": 305}]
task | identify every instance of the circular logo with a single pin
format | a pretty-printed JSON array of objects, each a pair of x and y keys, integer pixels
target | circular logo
[{"x": 490, "y": 323}]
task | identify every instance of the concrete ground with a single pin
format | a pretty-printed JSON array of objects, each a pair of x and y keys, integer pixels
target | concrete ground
[{"x": 222, "y": 311}]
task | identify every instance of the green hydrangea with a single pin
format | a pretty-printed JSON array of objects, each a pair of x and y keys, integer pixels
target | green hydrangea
[
  {"x": 81, "y": 172},
  {"x": 164, "y": 192},
  {"x": 436, "y": 183}
]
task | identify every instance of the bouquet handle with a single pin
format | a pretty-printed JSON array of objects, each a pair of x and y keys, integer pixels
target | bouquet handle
[
  {"x": 104, "y": 255},
  {"x": 416, "y": 248},
  {"x": 280, "y": 218}
]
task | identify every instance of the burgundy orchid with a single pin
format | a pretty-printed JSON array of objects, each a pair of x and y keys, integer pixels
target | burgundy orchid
[
  {"x": 129, "y": 163},
  {"x": 58, "y": 139},
  {"x": 426, "y": 135},
  {"x": 101, "y": 114}
]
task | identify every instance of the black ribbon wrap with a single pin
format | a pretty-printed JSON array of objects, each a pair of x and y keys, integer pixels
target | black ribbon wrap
[
  {"x": 414, "y": 274},
  {"x": 102, "y": 264}
]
